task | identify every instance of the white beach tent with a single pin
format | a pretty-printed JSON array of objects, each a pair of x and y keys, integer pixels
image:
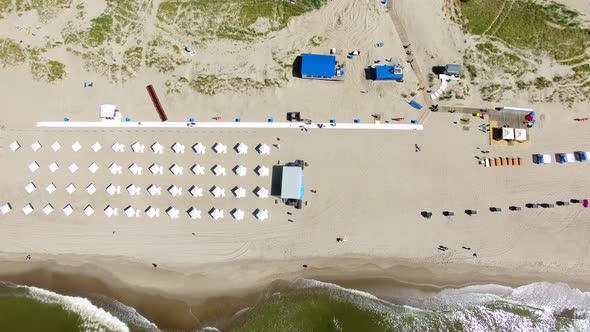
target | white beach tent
[
  {"x": 133, "y": 190},
  {"x": 196, "y": 191},
  {"x": 73, "y": 168},
  {"x": 29, "y": 188},
  {"x": 135, "y": 169},
  {"x": 88, "y": 210},
  {"x": 172, "y": 212},
  {"x": 218, "y": 170},
  {"x": 53, "y": 167},
  {"x": 4, "y": 209},
  {"x": 96, "y": 147},
  {"x": 199, "y": 148},
  {"x": 55, "y": 146},
  {"x": 178, "y": 148},
  {"x": 107, "y": 111},
  {"x": 194, "y": 213},
  {"x": 51, "y": 188},
  {"x": 76, "y": 146},
  {"x": 112, "y": 189},
  {"x": 157, "y": 148},
  {"x": 91, "y": 189},
  {"x": 154, "y": 190},
  {"x": 507, "y": 133},
  {"x": 261, "y": 214},
  {"x": 152, "y": 212},
  {"x": 156, "y": 169},
  {"x": 14, "y": 146},
  {"x": 217, "y": 192},
  {"x": 520, "y": 134},
  {"x": 175, "y": 191},
  {"x": 36, "y": 146},
  {"x": 70, "y": 188},
  {"x": 220, "y": 148},
  {"x": 28, "y": 209},
  {"x": 216, "y": 213},
  {"x": 118, "y": 147},
  {"x": 263, "y": 149},
  {"x": 115, "y": 169},
  {"x": 241, "y": 148},
  {"x": 262, "y": 171},
  {"x": 48, "y": 209},
  {"x": 93, "y": 168},
  {"x": 239, "y": 192},
  {"x": 261, "y": 192},
  {"x": 33, "y": 166},
  {"x": 138, "y": 147},
  {"x": 131, "y": 212},
  {"x": 240, "y": 170},
  {"x": 238, "y": 214},
  {"x": 109, "y": 211},
  {"x": 176, "y": 169},
  {"x": 198, "y": 169},
  {"x": 67, "y": 210}
]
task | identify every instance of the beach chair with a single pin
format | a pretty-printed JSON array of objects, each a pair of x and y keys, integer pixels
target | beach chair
[
  {"x": 492, "y": 162},
  {"x": 514, "y": 162},
  {"x": 519, "y": 161},
  {"x": 509, "y": 161}
]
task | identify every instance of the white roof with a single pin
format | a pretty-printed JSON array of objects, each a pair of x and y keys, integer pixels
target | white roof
[
  {"x": 157, "y": 148},
  {"x": 14, "y": 146},
  {"x": 109, "y": 211},
  {"x": 138, "y": 147},
  {"x": 238, "y": 214},
  {"x": 154, "y": 190},
  {"x": 76, "y": 146},
  {"x": 112, "y": 189},
  {"x": 261, "y": 214},
  {"x": 4, "y": 209},
  {"x": 33, "y": 166},
  {"x": 156, "y": 169},
  {"x": 53, "y": 167},
  {"x": 27, "y": 209},
  {"x": 242, "y": 148},
  {"x": 91, "y": 189},
  {"x": 172, "y": 212},
  {"x": 73, "y": 167},
  {"x": 219, "y": 170},
  {"x": 118, "y": 147},
  {"x": 68, "y": 209},
  {"x": 88, "y": 210},
  {"x": 263, "y": 149},
  {"x": 93, "y": 168},
  {"x": 36, "y": 146},
  {"x": 239, "y": 192},
  {"x": 133, "y": 190},
  {"x": 220, "y": 148},
  {"x": 520, "y": 134},
  {"x": 262, "y": 171},
  {"x": 178, "y": 148},
  {"x": 30, "y": 187},
  {"x": 135, "y": 169},
  {"x": 176, "y": 170},
  {"x": 216, "y": 214},
  {"x": 218, "y": 191},
  {"x": 70, "y": 188},
  {"x": 115, "y": 169},
  {"x": 152, "y": 212},
  {"x": 262, "y": 192},
  {"x": 507, "y": 133},
  {"x": 48, "y": 209},
  {"x": 107, "y": 110},
  {"x": 240, "y": 170},
  {"x": 96, "y": 147},
  {"x": 55, "y": 146},
  {"x": 50, "y": 188},
  {"x": 194, "y": 213},
  {"x": 196, "y": 191},
  {"x": 198, "y": 169},
  {"x": 131, "y": 212},
  {"x": 199, "y": 148},
  {"x": 174, "y": 190}
]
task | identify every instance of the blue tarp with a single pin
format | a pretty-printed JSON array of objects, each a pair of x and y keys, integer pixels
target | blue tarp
[
  {"x": 582, "y": 156},
  {"x": 388, "y": 73},
  {"x": 318, "y": 66},
  {"x": 415, "y": 104}
]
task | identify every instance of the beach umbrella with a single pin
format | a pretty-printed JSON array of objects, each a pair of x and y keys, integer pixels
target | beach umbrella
[
  {"x": 241, "y": 148},
  {"x": 73, "y": 168},
  {"x": 27, "y": 209},
  {"x": 154, "y": 190},
  {"x": 96, "y": 147},
  {"x": 135, "y": 169},
  {"x": 152, "y": 212},
  {"x": 68, "y": 209},
  {"x": 48, "y": 209},
  {"x": 176, "y": 170},
  {"x": 238, "y": 214},
  {"x": 33, "y": 166},
  {"x": 70, "y": 188},
  {"x": 76, "y": 146},
  {"x": 199, "y": 148},
  {"x": 157, "y": 148},
  {"x": 216, "y": 213},
  {"x": 198, "y": 169},
  {"x": 262, "y": 171},
  {"x": 4, "y": 209},
  {"x": 178, "y": 148},
  {"x": 109, "y": 211},
  {"x": 131, "y": 212},
  {"x": 172, "y": 212},
  {"x": 585, "y": 203},
  {"x": 50, "y": 188},
  {"x": 240, "y": 170},
  {"x": 261, "y": 214},
  {"x": 133, "y": 190},
  {"x": 261, "y": 192},
  {"x": 30, "y": 187},
  {"x": 529, "y": 118},
  {"x": 14, "y": 146},
  {"x": 53, "y": 167},
  {"x": 175, "y": 191},
  {"x": 263, "y": 149},
  {"x": 112, "y": 189},
  {"x": 217, "y": 191},
  {"x": 156, "y": 169},
  {"x": 118, "y": 147},
  {"x": 138, "y": 147},
  {"x": 194, "y": 213},
  {"x": 55, "y": 146},
  {"x": 220, "y": 148},
  {"x": 218, "y": 170},
  {"x": 36, "y": 146},
  {"x": 196, "y": 191},
  {"x": 239, "y": 192},
  {"x": 88, "y": 210},
  {"x": 93, "y": 168}
]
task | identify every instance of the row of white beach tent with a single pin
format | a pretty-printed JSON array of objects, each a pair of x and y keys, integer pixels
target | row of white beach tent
[
  {"x": 155, "y": 169},
  {"x": 137, "y": 147},
  {"x": 154, "y": 190},
  {"x": 150, "y": 211}
]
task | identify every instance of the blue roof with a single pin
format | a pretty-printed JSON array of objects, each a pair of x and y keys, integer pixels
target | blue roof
[
  {"x": 318, "y": 65},
  {"x": 388, "y": 73},
  {"x": 415, "y": 104}
]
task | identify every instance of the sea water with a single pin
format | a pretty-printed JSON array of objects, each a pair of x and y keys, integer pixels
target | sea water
[{"x": 310, "y": 305}]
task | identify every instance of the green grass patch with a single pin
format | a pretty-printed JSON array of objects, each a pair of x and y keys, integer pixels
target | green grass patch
[
  {"x": 101, "y": 30},
  {"x": 133, "y": 58},
  {"x": 11, "y": 53},
  {"x": 48, "y": 71},
  {"x": 479, "y": 14},
  {"x": 542, "y": 83},
  {"x": 212, "y": 84}
]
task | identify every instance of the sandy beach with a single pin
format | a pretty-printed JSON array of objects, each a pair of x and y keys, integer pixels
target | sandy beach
[{"x": 370, "y": 186}]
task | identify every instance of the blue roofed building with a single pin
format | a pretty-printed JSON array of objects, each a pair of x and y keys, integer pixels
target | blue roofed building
[
  {"x": 320, "y": 66},
  {"x": 389, "y": 72}
]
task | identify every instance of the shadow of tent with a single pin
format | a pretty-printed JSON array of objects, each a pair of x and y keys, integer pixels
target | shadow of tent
[
  {"x": 370, "y": 74},
  {"x": 437, "y": 70},
  {"x": 296, "y": 72},
  {"x": 497, "y": 134},
  {"x": 277, "y": 179}
]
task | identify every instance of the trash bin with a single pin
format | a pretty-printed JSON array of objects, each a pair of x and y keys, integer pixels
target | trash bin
[
  {"x": 238, "y": 119},
  {"x": 357, "y": 120},
  {"x": 271, "y": 120}
]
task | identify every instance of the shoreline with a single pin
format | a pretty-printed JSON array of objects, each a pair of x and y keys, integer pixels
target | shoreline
[{"x": 169, "y": 301}]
